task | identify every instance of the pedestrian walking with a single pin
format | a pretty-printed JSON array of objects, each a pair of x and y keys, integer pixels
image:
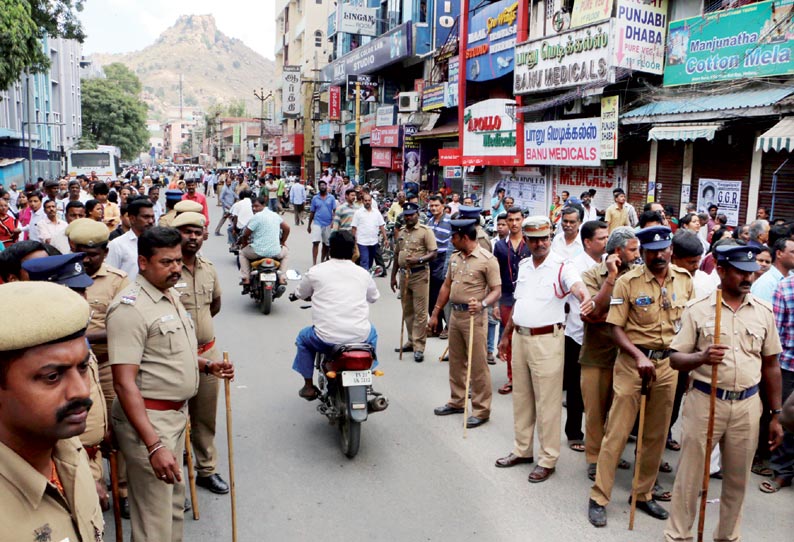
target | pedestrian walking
[
  {"x": 297, "y": 197},
  {"x": 367, "y": 222},
  {"x": 321, "y": 211}
]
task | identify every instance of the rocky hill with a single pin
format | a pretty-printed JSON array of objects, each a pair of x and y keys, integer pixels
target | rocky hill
[{"x": 215, "y": 68}]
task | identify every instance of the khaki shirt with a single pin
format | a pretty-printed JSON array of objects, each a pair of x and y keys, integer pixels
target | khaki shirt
[
  {"x": 648, "y": 316},
  {"x": 33, "y": 510},
  {"x": 750, "y": 333},
  {"x": 167, "y": 219},
  {"x": 148, "y": 330},
  {"x": 415, "y": 243},
  {"x": 473, "y": 275},
  {"x": 97, "y": 422},
  {"x": 197, "y": 292},
  {"x": 484, "y": 240},
  {"x": 108, "y": 283},
  {"x": 598, "y": 348},
  {"x": 615, "y": 217}
]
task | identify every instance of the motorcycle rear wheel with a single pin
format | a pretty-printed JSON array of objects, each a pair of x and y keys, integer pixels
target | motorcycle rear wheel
[
  {"x": 266, "y": 303},
  {"x": 349, "y": 436}
]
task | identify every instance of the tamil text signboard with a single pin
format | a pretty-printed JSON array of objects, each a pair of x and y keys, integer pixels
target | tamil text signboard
[
  {"x": 574, "y": 142},
  {"x": 290, "y": 91}
]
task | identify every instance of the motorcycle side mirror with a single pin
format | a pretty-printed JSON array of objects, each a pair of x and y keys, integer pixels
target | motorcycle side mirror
[{"x": 293, "y": 274}]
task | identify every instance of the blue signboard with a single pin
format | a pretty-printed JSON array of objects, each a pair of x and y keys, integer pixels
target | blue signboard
[
  {"x": 491, "y": 40},
  {"x": 447, "y": 13},
  {"x": 389, "y": 48}
]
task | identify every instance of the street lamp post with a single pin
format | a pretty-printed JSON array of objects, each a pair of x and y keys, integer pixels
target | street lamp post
[{"x": 262, "y": 99}]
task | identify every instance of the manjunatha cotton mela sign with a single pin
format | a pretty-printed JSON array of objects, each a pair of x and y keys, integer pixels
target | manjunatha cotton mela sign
[
  {"x": 489, "y": 134},
  {"x": 563, "y": 143}
]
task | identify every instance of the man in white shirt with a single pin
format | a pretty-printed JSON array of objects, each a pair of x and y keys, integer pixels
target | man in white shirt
[
  {"x": 367, "y": 221},
  {"x": 51, "y": 230},
  {"x": 123, "y": 251},
  {"x": 542, "y": 287},
  {"x": 569, "y": 245},
  {"x": 340, "y": 292},
  {"x": 590, "y": 211},
  {"x": 242, "y": 211}
]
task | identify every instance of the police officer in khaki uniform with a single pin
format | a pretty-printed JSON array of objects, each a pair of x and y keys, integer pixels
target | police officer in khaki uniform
[
  {"x": 200, "y": 293},
  {"x": 152, "y": 346},
  {"x": 467, "y": 212},
  {"x": 91, "y": 239},
  {"x": 46, "y": 488},
  {"x": 172, "y": 198},
  {"x": 415, "y": 247},
  {"x": 746, "y": 357},
  {"x": 645, "y": 315},
  {"x": 472, "y": 285}
]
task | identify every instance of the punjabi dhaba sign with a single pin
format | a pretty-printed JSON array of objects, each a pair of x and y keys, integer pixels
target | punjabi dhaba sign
[{"x": 489, "y": 134}]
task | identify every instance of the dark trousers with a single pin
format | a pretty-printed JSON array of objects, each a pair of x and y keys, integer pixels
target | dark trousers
[
  {"x": 367, "y": 257},
  {"x": 571, "y": 381},
  {"x": 782, "y": 462}
]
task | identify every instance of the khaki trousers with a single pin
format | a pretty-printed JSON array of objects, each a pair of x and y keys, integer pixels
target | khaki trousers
[
  {"x": 416, "y": 289},
  {"x": 596, "y": 385},
  {"x": 537, "y": 394},
  {"x": 458, "y": 358},
  {"x": 203, "y": 410},
  {"x": 156, "y": 508},
  {"x": 736, "y": 425},
  {"x": 248, "y": 255},
  {"x": 627, "y": 385},
  {"x": 106, "y": 381},
  {"x": 97, "y": 421}
]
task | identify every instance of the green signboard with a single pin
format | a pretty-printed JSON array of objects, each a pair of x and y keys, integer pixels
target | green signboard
[{"x": 751, "y": 41}]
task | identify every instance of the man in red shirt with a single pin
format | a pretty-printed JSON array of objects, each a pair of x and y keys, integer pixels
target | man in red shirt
[{"x": 193, "y": 195}]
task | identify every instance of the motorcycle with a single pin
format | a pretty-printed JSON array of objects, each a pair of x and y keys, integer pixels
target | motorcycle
[{"x": 265, "y": 284}]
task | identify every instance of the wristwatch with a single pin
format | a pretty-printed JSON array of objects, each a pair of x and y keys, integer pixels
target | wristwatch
[
  {"x": 484, "y": 304},
  {"x": 775, "y": 411},
  {"x": 207, "y": 370}
]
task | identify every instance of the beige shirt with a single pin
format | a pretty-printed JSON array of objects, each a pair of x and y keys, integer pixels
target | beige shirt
[
  {"x": 598, "y": 348},
  {"x": 167, "y": 219},
  {"x": 615, "y": 217},
  {"x": 750, "y": 333},
  {"x": 197, "y": 291},
  {"x": 650, "y": 316},
  {"x": 33, "y": 510},
  {"x": 415, "y": 243},
  {"x": 108, "y": 283},
  {"x": 97, "y": 421},
  {"x": 148, "y": 330},
  {"x": 472, "y": 276}
]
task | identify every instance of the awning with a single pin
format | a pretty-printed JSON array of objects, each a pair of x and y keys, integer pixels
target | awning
[
  {"x": 445, "y": 131},
  {"x": 683, "y": 132},
  {"x": 778, "y": 138}
]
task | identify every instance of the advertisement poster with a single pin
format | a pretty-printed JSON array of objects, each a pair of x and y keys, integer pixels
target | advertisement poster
[
  {"x": 751, "y": 41},
  {"x": 610, "y": 106},
  {"x": 434, "y": 96},
  {"x": 412, "y": 161},
  {"x": 587, "y": 12},
  {"x": 447, "y": 12},
  {"x": 452, "y": 82},
  {"x": 527, "y": 187},
  {"x": 579, "y": 57},
  {"x": 489, "y": 134},
  {"x": 290, "y": 91},
  {"x": 385, "y": 136},
  {"x": 727, "y": 195},
  {"x": 368, "y": 87},
  {"x": 491, "y": 40},
  {"x": 603, "y": 179},
  {"x": 640, "y": 30},
  {"x": 334, "y": 103},
  {"x": 381, "y": 158},
  {"x": 575, "y": 142},
  {"x": 382, "y": 51}
]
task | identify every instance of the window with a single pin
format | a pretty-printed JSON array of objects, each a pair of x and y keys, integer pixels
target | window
[{"x": 318, "y": 38}]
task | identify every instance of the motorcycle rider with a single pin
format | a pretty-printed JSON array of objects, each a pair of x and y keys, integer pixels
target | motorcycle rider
[
  {"x": 268, "y": 234},
  {"x": 340, "y": 292}
]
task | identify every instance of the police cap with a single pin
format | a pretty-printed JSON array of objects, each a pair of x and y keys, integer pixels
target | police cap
[
  {"x": 188, "y": 206},
  {"x": 741, "y": 257},
  {"x": 655, "y": 237},
  {"x": 87, "y": 232},
  {"x": 66, "y": 269},
  {"x": 188, "y": 219},
  {"x": 536, "y": 226}
]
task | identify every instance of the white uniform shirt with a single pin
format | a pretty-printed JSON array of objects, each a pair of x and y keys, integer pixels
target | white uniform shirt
[
  {"x": 341, "y": 292},
  {"x": 367, "y": 224},
  {"x": 574, "y": 328},
  {"x": 243, "y": 211},
  {"x": 539, "y": 299},
  {"x": 564, "y": 250},
  {"x": 123, "y": 254}
]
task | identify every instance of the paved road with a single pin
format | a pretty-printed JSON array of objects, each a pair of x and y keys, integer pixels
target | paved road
[{"x": 415, "y": 478}]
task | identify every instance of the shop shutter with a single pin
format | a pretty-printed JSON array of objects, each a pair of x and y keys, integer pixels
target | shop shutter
[
  {"x": 784, "y": 195},
  {"x": 669, "y": 170},
  {"x": 637, "y": 152}
]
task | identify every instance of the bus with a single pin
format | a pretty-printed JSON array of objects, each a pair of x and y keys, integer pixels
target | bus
[{"x": 104, "y": 161}]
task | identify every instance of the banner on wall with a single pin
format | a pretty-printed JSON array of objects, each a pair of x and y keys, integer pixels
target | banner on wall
[
  {"x": 447, "y": 12},
  {"x": 491, "y": 40},
  {"x": 381, "y": 158},
  {"x": 412, "y": 161},
  {"x": 726, "y": 195},
  {"x": 367, "y": 87},
  {"x": 574, "y": 142},
  {"x": 527, "y": 186}
]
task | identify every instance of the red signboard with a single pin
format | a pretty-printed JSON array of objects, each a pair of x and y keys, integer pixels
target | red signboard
[
  {"x": 385, "y": 136},
  {"x": 449, "y": 157},
  {"x": 334, "y": 103},
  {"x": 289, "y": 145},
  {"x": 381, "y": 158}
]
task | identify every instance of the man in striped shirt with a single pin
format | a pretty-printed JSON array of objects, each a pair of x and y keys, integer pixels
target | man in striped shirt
[
  {"x": 343, "y": 217},
  {"x": 442, "y": 229}
]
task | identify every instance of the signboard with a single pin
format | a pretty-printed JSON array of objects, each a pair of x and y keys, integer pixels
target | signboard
[
  {"x": 449, "y": 157},
  {"x": 755, "y": 40},
  {"x": 586, "y": 12},
  {"x": 412, "y": 161},
  {"x": 453, "y": 71},
  {"x": 603, "y": 179},
  {"x": 610, "y": 106},
  {"x": 491, "y": 40},
  {"x": 365, "y": 124},
  {"x": 327, "y": 130},
  {"x": 447, "y": 12},
  {"x": 527, "y": 187},
  {"x": 727, "y": 195},
  {"x": 574, "y": 142},
  {"x": 640, "y": 31},
  {"x": 368, "y": 87},
  {"x": 453, "y": 172},
  {"x": 358, "y": 20},
  {"x": 489, "y": 134},
  {"x": 290, "y": 91},
  {"x": 334, "y": 103},
  {"x": 382, "y": 51},
  {"x": 384, "y": 116},
  {"x": 434, "y": 97},
  {"x": 381, "y": 158},
  {"x": 579, "y": 57},
  {"x": 385, "y": 136}
]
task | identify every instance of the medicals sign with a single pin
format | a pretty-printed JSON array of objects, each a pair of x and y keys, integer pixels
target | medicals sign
[
  {"x": 574, "y": 142},
  {"x": 751, "y": 41}
]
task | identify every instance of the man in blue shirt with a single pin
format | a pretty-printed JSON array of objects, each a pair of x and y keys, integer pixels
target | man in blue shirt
[
  {"x": 297, "y": 197},
  {"x": 268, "y": 234},
  {"x": 497, "y": 203},
  {"x": 782, "y": 265},
  {"x": 442, "y": 229},
  {"x": 321, "y": 211},
  {"x": 227, "y": 199}
]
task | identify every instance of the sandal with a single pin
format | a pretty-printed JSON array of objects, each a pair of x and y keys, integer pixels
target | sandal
[
  {"x": 665, "y": 467},
  {"x": 309, "y": 394},
  {"x": 591, "y": 471},
  {"x": 673, "y": 445},
  {"x": 506, "y": 389},
  {"x": 772, "y": 486},
  {"x": 761, "y": 469},
  {"x": 624, "y": 465},
  {"x": 660, "y": 494},
  {"x": 577, "y": 446}
]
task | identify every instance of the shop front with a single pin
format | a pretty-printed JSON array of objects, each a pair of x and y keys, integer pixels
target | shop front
[{"x": 286, "y": 153}]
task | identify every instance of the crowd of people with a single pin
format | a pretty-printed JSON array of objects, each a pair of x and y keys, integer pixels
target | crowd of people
[{"x": 606, "y": 305}]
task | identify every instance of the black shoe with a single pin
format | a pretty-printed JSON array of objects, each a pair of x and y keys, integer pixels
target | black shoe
[
  {"x": 214, "y": 483},
  {"x": 124, "y": 504},
  {"x": 446, "y": 410},
  {"x": 474, "y": 421},
  {"x": 188, "y": 507},
  {"x": 597, "y": 514},
  {"x": 419, "y": 357},
  {"x": 652, "y": 508},
  {"x": 406, "y": 348}
]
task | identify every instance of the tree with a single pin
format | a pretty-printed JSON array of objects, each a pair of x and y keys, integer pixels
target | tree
[
  {"x": 23, "y": 24},
  {"x": 113, "y": 114}
]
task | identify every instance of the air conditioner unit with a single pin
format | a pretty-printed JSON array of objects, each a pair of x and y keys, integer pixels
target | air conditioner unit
[
  {"x": 409, "y": 102},
  {"x": 347, "y": 116},
  {"x": 573, "y": 107}
]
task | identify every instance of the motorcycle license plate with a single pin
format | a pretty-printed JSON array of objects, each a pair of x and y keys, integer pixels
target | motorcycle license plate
[
  {"x": 356, "y": 378},
  {"x": 267, "y": 277}
]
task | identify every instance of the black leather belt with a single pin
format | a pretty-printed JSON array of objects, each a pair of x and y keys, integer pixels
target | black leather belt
[
  {"x": 417, "y": 269},
  {"x": 460, "y": 307},
  {"x": 655, "y": 354},
  {"x": 726, "y": 395}
]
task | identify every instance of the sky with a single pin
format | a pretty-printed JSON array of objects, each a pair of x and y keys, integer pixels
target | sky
[{"x": 120, "y": 26}]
